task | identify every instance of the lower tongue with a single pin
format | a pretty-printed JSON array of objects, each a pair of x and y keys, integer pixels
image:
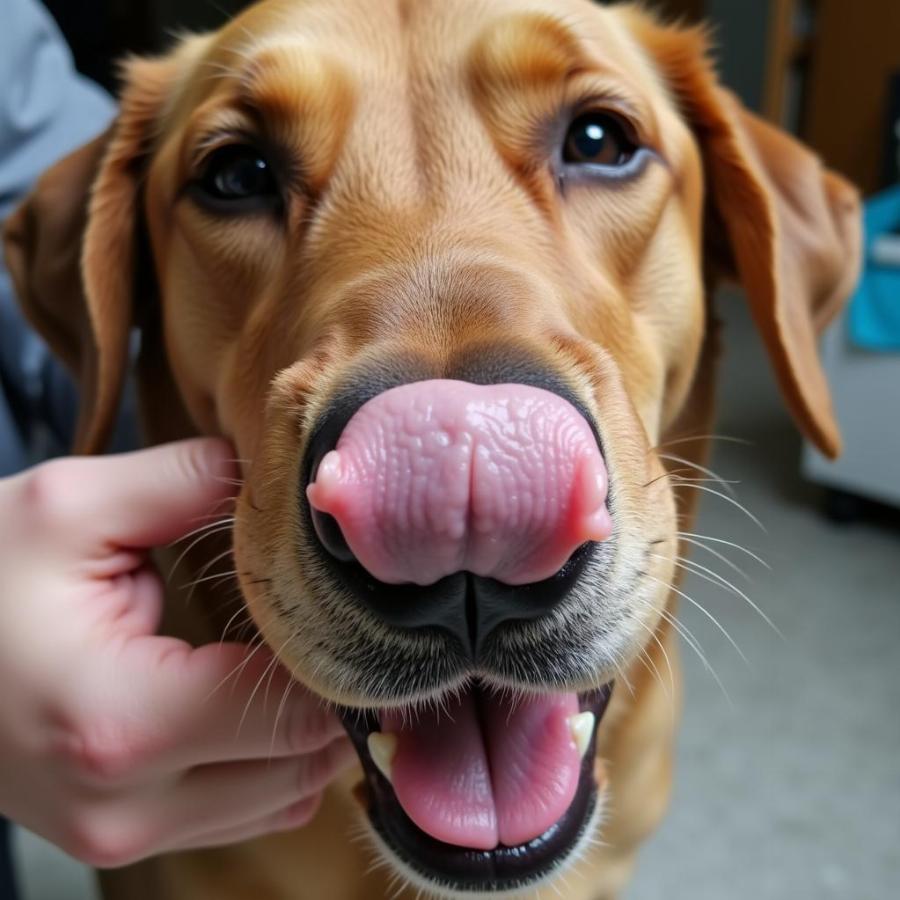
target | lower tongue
[{"x": 484, "y": 770}]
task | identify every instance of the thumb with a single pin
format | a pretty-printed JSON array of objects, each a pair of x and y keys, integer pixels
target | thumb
[{"x": 150, "y": 497}]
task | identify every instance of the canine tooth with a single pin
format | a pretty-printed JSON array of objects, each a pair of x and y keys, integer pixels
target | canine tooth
[
  {"x": 382, "y": 748},
  {"x": 582, "y": 728}
]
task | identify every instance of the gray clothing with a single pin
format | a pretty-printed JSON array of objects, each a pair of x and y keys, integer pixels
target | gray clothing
[
  {"x": 46, "y": 107},
  {"x": 46, "y": 110}
]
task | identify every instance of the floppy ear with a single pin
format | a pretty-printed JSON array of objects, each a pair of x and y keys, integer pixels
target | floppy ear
[
  {"x": 71, "y": 250},
  {"x": 776, "y": 220}
]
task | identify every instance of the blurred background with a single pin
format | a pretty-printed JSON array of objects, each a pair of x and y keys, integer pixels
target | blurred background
[{"x": 787, "y": 783}]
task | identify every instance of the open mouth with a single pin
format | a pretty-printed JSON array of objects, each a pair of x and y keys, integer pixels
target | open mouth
[
  {"x": 466, "y": 508},
  {"x": 487, "y": 793}
]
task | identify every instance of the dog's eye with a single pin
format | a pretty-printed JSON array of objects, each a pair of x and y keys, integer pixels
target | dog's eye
[
  {"x": 238, "y": 178},
  {"x": 598, "y": 139}
]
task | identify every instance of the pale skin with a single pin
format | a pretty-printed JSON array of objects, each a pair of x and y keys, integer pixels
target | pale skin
[{"x": 116, "y": 743}]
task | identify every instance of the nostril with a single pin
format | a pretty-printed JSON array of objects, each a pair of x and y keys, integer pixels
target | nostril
[
  {"x": 331, "y": 537},
  {"x": 325, "y": 438},
  {"x": 326, "y": 527}
]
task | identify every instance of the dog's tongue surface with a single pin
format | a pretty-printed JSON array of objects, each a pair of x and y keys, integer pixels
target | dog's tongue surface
[
  {"x": 436, "y": 477},
  {"x": 483, "y": 771}
]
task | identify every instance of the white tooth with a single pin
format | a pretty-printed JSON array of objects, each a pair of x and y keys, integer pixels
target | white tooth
[
  {"x": 582, "y": 728},
  {"x": 382, "y": 748}
]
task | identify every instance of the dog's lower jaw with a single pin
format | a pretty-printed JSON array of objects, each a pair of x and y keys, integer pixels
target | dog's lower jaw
[
  {"x": 633, "y": 767},
  {"x": 529, "y": 846},
  {"x": 406, "y": 876}
]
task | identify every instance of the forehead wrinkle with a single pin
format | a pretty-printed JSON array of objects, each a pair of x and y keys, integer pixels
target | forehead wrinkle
[
  {"x": 285, "y": 78},
  {"x": 530, "y": 48},
  {"x": 301, "y": 97},
  {"x": 542, "y": 54}
]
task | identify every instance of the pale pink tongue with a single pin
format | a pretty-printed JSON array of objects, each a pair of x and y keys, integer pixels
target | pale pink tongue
[
  {"x": 437, "y": 477},
  {"x": 483, "y": 771}
]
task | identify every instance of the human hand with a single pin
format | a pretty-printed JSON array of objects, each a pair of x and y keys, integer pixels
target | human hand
[{"x": 116, "y": 743}]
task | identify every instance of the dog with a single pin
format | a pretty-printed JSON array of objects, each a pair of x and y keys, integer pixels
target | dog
[{"x": 443, "y": 271}]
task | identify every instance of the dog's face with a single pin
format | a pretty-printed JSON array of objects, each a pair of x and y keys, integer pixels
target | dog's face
[{"x": 391, "y": 242}]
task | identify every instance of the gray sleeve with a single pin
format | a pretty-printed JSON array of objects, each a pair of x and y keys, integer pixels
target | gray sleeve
[
  {"x": 46, "y": 110},
  {"x": 46, "y": 107}
]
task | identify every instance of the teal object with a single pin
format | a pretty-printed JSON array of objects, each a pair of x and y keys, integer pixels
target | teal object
[{"x": 874, "y": 320}]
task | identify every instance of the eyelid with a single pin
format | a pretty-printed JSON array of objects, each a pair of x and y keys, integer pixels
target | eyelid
[
  {"x": 286, "y": 169},
  {"x": 591, "y": 172},
  {"x": 203, "y": 150}
]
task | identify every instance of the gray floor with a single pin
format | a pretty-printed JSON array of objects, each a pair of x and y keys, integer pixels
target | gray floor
[{"x": 789, "y": 787}]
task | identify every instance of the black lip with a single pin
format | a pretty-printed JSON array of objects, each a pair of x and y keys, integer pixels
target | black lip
[
  {"x": 466, "y": 606},
  {"x": 464, "y": 869}
]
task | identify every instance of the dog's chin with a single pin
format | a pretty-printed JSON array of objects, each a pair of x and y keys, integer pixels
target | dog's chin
[{"x": 456, "y": 870}]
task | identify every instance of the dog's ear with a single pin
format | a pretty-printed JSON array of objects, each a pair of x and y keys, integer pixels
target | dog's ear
[
  {"x": 71, "y": 249},
  {"x": 776, "y": 220}
]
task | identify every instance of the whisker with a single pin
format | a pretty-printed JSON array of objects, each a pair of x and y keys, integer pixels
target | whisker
[
  {"x": 689, "y": 636},
  {"x": 714, "y": 577},
  {"x": 239, "y": 668},
  {"x": 666, "y": 474},
  {"x": 650, "y": 666},
  {"x": 247, "y": 626},
  {"x": 282, "y": 703},
  {"x": 220, "y": 520},
  {"x": 220, "y": 576},
  {"x": 208, "y": 531},
  {"x": 704, "y": 437},
  {"x": 209, "y": 515},
  {"x": 655, "y": 637},
  {"x": 706, "y": 537},
  {"x": 707, "y": 471},
  {"x": 695, "y": 645},
  {"x": 272, "y": 663},
  {"x": 678, "y": 479},
  {"x": 731, "y": 565},
  {"x": 731, "y": 500},
  {"x": 208, "y": 565},
  {"x": 621, "y": 676},
  {"x": 241, "y": 609},
  {"x": 234, "y": 482},
  {"x": 681, "y": 479},
  {"x": 706, "y": 613}
]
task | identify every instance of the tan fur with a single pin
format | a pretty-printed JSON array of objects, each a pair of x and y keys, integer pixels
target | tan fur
[{"x": 424, "y": 220}]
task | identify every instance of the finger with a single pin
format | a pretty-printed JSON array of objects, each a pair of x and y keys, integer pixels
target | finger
[
  {"x": 140, "y": 608},
  {"x": 229, "y": 796},
  {"x": 222, "y": 702},
  {"x": 296, "y": 815},
  {"x": 134, "y": 500}
]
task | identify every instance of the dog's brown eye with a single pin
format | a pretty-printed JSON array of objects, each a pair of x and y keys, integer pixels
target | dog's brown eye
[
  {"x": 598, "y": 139},
  {"x": 237, "y": 178}
]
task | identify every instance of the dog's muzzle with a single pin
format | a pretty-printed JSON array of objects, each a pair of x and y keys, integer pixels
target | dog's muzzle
[
  {"x": 457, "y": 504},
  {"x": 465, "y": 504}
]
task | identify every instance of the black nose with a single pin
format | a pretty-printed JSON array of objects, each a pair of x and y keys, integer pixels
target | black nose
[{"x": 467, "y": 606}]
